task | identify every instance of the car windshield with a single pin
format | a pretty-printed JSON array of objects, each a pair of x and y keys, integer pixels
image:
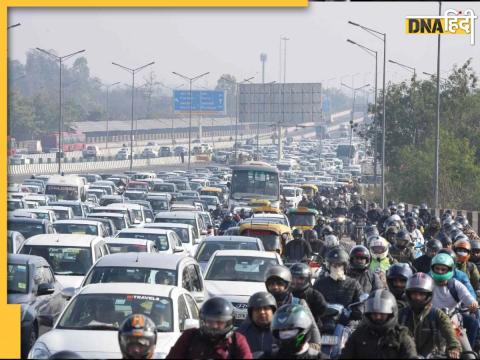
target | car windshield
[
  {"x": 163, "y": 188},
  {"x": 107, "y": 311},
  {"x": 301, "y": 219},
  {"x": 180, "y": 221},
  {"x": 26, "y": 229},
  {"x": 64, "y": 260},
  {"x": 159, "y": 204},
  {"x": 239, "y": 268},
  {"x": 288, "y": 192},
  {"x": 84, "y": 229},
  {"x": 123, "y": 248},
  {"x": 161, "y": 240},
  {"x": 115, "y": 274},
  {"x": 211, "y": 201},
  {"x": 207, "y": 248},
  {"x": 17, "y": 279},
  {"x": 270, "y": 240},
  {"x": 135, "y": 195},
  {"x": 14, "y": 205},
  {"x": 62, "y": 214},
  {"x": 181, "y": 186}
]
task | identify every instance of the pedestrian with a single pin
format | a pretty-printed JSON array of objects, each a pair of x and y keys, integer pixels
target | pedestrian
[{"x": 182, "y": 156}]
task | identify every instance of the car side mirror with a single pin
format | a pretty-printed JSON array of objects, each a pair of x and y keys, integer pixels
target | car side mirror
[
  {"x": 178, "y": 249},
  {"x": 197, "y": 241},
  {"x": 148, "y": 220},
  {"x": 45, "y": 289},
  {"x": 68, "y": 292},
  {"x": 191, "y": 324}
]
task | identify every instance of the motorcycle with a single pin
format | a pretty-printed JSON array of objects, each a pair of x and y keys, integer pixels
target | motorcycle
[
  {"x": 455, "y": 316},
  {"x": 339, "y": 226},
  {"x": 359, "y": 232}
]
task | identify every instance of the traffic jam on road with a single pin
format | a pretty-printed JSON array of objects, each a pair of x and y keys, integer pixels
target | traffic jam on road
[{"x": 287, "y": 257}]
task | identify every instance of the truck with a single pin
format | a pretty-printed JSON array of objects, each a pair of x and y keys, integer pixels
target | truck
[{"x": 32, "y": 146}]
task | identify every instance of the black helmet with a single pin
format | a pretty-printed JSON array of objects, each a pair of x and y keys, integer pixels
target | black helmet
[
  {"x": 327, "y": 230},
  {"x": 449, "y": 252},
  {"x": 137, "y": 337},
  {"x": 433, "y": 246},
  {"x": 65, "y": 354},
  {"x": 423, "y": 206},
  {"x": 444, "y": 239},
  {"x": 381, "y": 301},
  {"x": 410, "y": 223},
  {"x": 291, "y": 328},
  {"x": 358, "y": 202},
  {"x": 419, "y": 282},
  {"x": 372, "y": 205},
  {"x": 455, "y": 232},
  {"x": 398, "y": 271},
  {"x": 297, "y": 233},
  {"x": 261, "y": 299},
  {"x": 402, "y": 239},
  {"x": 310, "y": 235},
  {"x": 301, "y": 270},
  {"x": 392, "y": 203},
  {"x": 359, "y": 251},
  {"x": 475, "y": 244},
  {"x": 337, "y": 256},
  {"x": 216, "y": 309},
  {"x": 461, "y": 220}
]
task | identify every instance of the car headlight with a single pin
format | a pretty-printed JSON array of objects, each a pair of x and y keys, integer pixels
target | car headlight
[{"x": 39, "y": 351}]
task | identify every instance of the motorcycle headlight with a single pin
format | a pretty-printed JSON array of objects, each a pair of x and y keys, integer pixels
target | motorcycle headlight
[
  {"x": 39, "y": 351},
  {"x": 341, "y": 219}
]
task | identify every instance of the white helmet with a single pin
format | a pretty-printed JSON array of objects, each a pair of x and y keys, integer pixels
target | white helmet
[
  {"x": 378, "y": 247},
  {"x": 331, "y": 241}
]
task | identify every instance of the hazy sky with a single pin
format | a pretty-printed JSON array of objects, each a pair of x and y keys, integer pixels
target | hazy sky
[{"x": 194, "y": 41}]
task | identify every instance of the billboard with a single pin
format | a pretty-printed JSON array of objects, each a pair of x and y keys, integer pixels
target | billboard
[
  {"x": 202, "y": 101},
  {"x": 281, "y": 103}
]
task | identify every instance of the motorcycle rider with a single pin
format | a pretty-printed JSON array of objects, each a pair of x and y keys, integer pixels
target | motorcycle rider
[
  {"x": 358, "y": 269},
  {"x": 327, "y": 230},
  {"x": 337, "y": 287},
  {"x": 373, "y": 214},
  {"x": 397, "y": 277},
  {"x": 402, "y": 249},
  {"x": 467, "y": 229},
  {"x": 320, "y": 225},
  {"x": 379, "y": 336},
  {"x": 358, "y": 215},
  {"x": 391, "y": 230},
  {"x": 312, "y": 238},
  {"x": 215, "y": 339},
  {"x": 433, "y": 228},
  {"x": 422, "y": 263},
  {"x": 137, "y": 337},
  {"x": 277, "y": 281},
  {"x": 257, "y": 326},
  {"x": 227, "y": 222},
  {"x": 412, "y": 227},
  {"x": 297, "y": 249},
  {"x": 379, "y": 249},
  {"x": 459, "y": 274},
  {"x": 302, "y": 288},
  {"x": 424, "y": 214},
  {"x": 341, "y": 209},
  {"x": 331, "y": 242},
  {"x": 463, "y": 249},
  {"x": 304, "y": 202},
  {"x": 429, "y": 326},
  {"x": 475, "y": 254}
]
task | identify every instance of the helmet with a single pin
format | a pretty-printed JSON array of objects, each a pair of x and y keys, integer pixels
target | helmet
[
  {"x": 475, "y": 249},
  {"x": 461, "y": 220},
  {"x": 449, "y": 252},
  {"x": 475, "y": 244},
  {"x": 446, "y": 260},
  {"x": 463, "y": 249},
  {"x": 297, "y": 234},
  {"x": 391, "y": 232},
  {"x": 261, "y": 299},
  {"x": 391, "y": 203},
  {"x": 402, "y": 239},
  {"x": 137, "y": 337},
  {"x": 301, "y": 270},
  {"x": 65, "y": 354},
  {"x": 216, "y": 309},
  {"x": 433, "y": 246},
  {"x": 310, "y": 235},
  {"x": 455, "y": 232},
  {"x": 372, "y": 205},
  {"x": 327, "y": 230},
  {"x": 423, "y": 206},
  {"x": 321, "y": 220},
  {"x": 358, "y": 202},
  {"x": 447, "y": 224},
  {"x": 331, "y": 241},
  {"x": 411, "y": 224},
  {"x": 337, "y": 256},
  {"x": 401, "y": 206},
  {"x": 291, "y": 327},
  {"x": 371, "y": 230},
  {"x": 383, "y": 302},
  {"x": 281, "y": 272},
  {"x": 341, "y": 203},
  {"x": 444, "y": 239},
  {"x": 398, "y": 271},
  {"x": 419, "y": 282},
  {"x": 461, "y": 236},
  {"x": 378, "y": 247},
  {"x": 362, "y": 252}
]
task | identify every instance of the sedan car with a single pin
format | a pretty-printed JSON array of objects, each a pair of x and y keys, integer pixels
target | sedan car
[
  {"x": 238, "y": 274},
  {"x": 31, "y": 284},
  {"x": 130, "y": 245},
  {"x": 166, "y": 241},
  {"x": 89, "y": 324}
]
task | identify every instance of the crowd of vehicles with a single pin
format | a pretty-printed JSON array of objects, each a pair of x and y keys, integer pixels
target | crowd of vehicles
[{"x": 88, "y": 251}]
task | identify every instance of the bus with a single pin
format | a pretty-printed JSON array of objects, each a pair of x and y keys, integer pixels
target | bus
[
  {"x": 254, "y": 180},
  {"x": 66, "y": 187},
  {"x": 72, "y": 141}
]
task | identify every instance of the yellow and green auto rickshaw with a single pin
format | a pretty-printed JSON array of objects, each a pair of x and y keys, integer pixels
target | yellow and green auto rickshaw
[
  {"x": 273, "y": 236},
  {"x": 302, "y": 218},
  {"x": 310, "y": 190}
]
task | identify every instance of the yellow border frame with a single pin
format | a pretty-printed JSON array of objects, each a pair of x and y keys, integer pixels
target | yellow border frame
[{"x": 10, "y": 314}]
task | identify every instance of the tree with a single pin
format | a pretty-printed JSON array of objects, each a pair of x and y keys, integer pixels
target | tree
[{"x": 227, "y": 83}]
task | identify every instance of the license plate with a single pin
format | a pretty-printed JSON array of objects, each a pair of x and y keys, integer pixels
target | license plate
[
  {"x": 240, "y": 316},
  {"x": 329, "y": 340}
]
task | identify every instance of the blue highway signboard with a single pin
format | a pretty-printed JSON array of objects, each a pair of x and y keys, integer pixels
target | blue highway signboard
[{"x": 202, "y": 100}]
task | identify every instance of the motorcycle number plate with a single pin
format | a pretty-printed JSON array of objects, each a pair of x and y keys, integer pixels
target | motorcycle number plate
[
  {"x": 329, "y": 340},
  {"x": 240, "y": 316}
]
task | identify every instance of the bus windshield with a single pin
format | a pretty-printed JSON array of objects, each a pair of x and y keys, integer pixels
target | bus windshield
[
  {"x": 63, "y": 192},
  {"x": 248, "y": 183}
]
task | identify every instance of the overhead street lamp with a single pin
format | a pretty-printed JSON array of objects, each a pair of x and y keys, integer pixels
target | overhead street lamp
[
  {"x": 383, "y": 37},
  {"x": 12, "y": 26},
  {"x": 190, "y": 80},
  {"x": 60, "y": 59},
  {"x": 133, "y": 72},
  {"x": 434, "y": 76},
  {"x": 405, "y": 67}
]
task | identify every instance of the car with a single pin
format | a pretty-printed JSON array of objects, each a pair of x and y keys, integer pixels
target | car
[
  {"x": 39, "y": 198},
  {"x": 30, "y": 227},
  {"x": 149, "y": 153},
  {"x": 14, "y": 204},
  {"x": 184, "y": 232},
  {"x": 182, "y": 271},
  {"x": 268, "y": 217},
  {"x": 92, "y": 151},
  {"x": 15, "y": 241},
  {"x": 111, "y": 199},
  {"x": 204, "y": 251},
  {"x": 119, "y": 220},
  {"x": 124, "y": 154},
  {"x": 61, "y": 212},
  {"x": 165, "y": 187},
  {"x": 89, "y": 324},
  {"x": 70, "y": 256},
  {"x": 39, "y": 213},
  {"x": 166, "y": 241},
  {"x": 184, "y": 217},
  {"x": 32, "y": 284},
  {"x": 123, "y": 245},
  {"x": 293, "y": 195},
  {"x": 212, "y": 201},
  {"x": 238, "y": 274},
  {"x": 159, "y": 202},
  {"x": 165, "y": 151},
  {"x": 20, "y": 159},
  {"x": 79, "y": 208},
  {"x": 80, "y": 226}
]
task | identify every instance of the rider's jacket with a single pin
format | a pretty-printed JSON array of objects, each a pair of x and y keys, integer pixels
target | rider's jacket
[
  {"x": 315, "y": 300},
  {"x": 367, "y": 279},
  {"x": 402, "y": 255},
  {"x": 297, "y": 249},
  {"x": 374, "y": 215}
]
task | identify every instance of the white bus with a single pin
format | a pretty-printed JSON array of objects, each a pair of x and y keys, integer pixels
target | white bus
[{"x": 67, "y": 187}]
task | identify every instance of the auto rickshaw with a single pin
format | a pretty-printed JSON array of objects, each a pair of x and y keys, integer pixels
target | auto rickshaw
[
  {"x": 302, "y": 218},
  {"x": 259, "y": 202},
  {"x": 273, "y": 236},
  {"x": 310, "y": 190},
  {"x": 266, "y": 210},
  {"x": 213, "y": 191}
]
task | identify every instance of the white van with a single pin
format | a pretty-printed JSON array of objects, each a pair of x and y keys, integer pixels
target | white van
[{"x": 66, "y": 187}]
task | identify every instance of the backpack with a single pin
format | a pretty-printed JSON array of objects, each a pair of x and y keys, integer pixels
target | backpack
[{"x": 452, "y": 289}]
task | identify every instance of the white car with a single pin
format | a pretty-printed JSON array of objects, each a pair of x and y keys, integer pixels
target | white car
[
  {"x": 238, "y": 274},
  {"x": 167, "y": 241},
  {"x": 130, "y": 245},
  {"x": 89, "y": 324},
  {"x": 293, "y": 195},
  {"x": 184, "y": 232}
]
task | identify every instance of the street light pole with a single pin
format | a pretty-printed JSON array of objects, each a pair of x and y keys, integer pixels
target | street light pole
[
  {"x": 132, "y": 71},
  {"x": 60, "y": 60},
  {"x": 190, "y": 80},
  {"x": 437, "y": 137},
  {"x": 383, "y": 37},
  {"x": 285, "y": 39},
  {"x": 107, "y": 113}
]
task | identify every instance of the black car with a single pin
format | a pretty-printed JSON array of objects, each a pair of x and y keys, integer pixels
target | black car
[
  {"x": 32, "y": 284},
  {"x": 30, "y": 227}
]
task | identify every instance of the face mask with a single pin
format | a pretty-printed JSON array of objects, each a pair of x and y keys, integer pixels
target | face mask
[
  {"x": 287, "y": 334},
  {"x": 337, "y": 273},
  {"x": 462, "y": 253}
]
